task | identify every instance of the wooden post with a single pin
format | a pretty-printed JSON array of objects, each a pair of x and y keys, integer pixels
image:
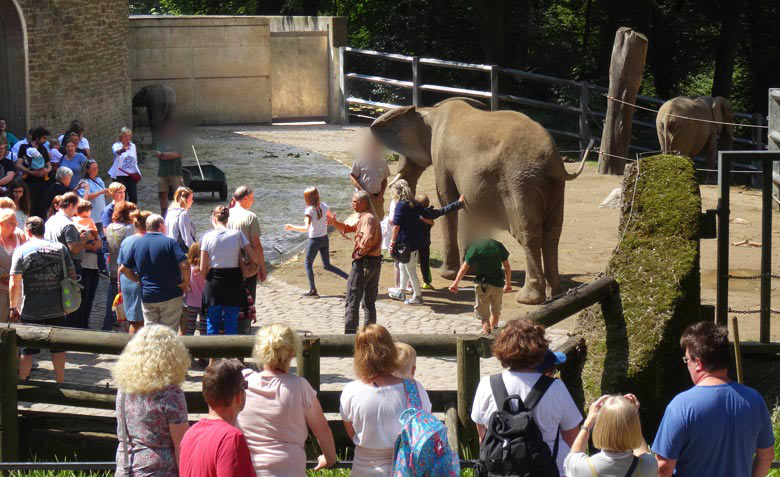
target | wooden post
[
  {"x": 584, "y": 115},
  {"x": 416, "y": 81},
  {"x": 625, "y": 76},
  {"x": 468, "y": 379},
  {"x": 343, "y": 86},
  {"x": 493, "y": 88},
  {"x": 774, "y": 127},
  {"x": 308, "y": 361},
  {"x": 9, "y": 420},
  {"x": 451, "y": 421},
  {"x": 737, "y": 351}
]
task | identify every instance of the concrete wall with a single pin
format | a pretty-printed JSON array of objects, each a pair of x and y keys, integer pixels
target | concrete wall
[
  {"x": 241, "y": 69},
  {"x": 220, "y": 67},
  {"x": 77, "y": 67}
]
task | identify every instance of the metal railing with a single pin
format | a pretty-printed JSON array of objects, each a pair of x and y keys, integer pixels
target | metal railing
[{"x": 495, "y": 97}]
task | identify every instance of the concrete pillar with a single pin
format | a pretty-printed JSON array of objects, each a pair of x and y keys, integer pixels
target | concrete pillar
[{"x": 337, "y": 37}]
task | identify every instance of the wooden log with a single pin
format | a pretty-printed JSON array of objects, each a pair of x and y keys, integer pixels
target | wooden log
[
  {"x": 451, "y": 421},
  {"x": 737, "y": 351},
  {"x": 9, "y": 421},
  {"x": 308, "y": 361},
  {"x": 625, "y": 77},
  {"x": 468, "y": 379},
  {"x": 572, "y": 303}
]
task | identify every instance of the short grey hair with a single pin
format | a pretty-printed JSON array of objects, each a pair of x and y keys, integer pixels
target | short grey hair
[
  {"x": 154, "y": 223},
  {"x": 363, "y": 196},
  {"x": 125, "y": 130},
  {"x": 62, "y": 173}
]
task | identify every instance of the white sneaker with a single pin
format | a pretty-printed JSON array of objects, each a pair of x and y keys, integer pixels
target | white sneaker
[
  {"x": 393, "y": 290},
  {"x": 414, "y": 301},
  {"x": 398, "y": 295}
]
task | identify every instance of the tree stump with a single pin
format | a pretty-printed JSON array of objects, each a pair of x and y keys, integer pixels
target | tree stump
[{"x": 625, "y": 76}]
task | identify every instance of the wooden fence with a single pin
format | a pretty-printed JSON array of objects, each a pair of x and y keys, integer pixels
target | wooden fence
[
  {"x": 494, "y": 96},
  {"x": 454, "y": 404}
]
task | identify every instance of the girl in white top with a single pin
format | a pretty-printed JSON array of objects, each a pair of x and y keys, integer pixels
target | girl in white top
[
  {"x": 520, "y": 347},
  {"x": 371, "y": 405},
  {"x": 126, "y": 164},
  {"x": 315, "y": 223},
  {"x": 614, "y": 423}
]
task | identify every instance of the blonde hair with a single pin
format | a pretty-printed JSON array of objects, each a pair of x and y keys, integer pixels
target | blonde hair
[
  {"x": 6, "y": 213},
  {"x": 423, "y": 200},
  {"x": 375, "y": 352},
  {"x": 193, "y": 254},
  {"x": 275, "y": 345},
  {"x": 153, "y": 360},
  {"x": 401, "y": 192},
  {"x": 115, "y": 187},
  {"x": 7, "y": 203},
  {"x": 617, "y": 428},
  {"x": 181, "y": 195},
  {"x": 407, "y": 358}
]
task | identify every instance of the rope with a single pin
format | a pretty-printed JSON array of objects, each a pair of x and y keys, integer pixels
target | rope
[
  {"x": 752, "y": 312},
  {"x": 751, "y": 277},
  {"x": 611, "y": 98},
  {"x": 631, "y": 209},
  {"x": 628, "y": 159}
]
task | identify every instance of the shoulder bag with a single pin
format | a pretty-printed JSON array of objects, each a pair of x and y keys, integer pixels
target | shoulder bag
[
  {"x": 70, "y": 289},
  {"x": 249, "y": 267}
]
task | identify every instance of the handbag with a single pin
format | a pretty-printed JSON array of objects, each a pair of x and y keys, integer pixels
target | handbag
[
  {"x": 248, "y": 266},
  {"x": 401, "y": 253},
  {"x": 134, "y": 176},
  {"x": 70, "y": 290}
]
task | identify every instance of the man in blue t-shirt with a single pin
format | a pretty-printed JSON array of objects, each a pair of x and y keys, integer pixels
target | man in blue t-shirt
[
  {"x": 163, "y": 273},
  {"x": 718, "y": 427}
]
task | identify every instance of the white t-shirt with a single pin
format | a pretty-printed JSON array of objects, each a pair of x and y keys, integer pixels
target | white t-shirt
[
  {"x": 223, "y": 247},
  {"x": 83, "y": 142},
  {"x": 127, "y": 161},
  {"x": 610, "y": 464},
  {"x": 374, "y": 412},
  {"x": 556, "y": 410},
  {"x": 18, "y": 145},
  {"x": 319, "y": 226}
]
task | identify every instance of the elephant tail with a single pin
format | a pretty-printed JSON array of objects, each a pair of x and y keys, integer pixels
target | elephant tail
[{"x": 559, "y": 171}]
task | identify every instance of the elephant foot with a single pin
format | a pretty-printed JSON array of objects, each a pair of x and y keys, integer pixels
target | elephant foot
[
  {"x": 448, "y": 274},
  {"x": 530, "y": 296}
]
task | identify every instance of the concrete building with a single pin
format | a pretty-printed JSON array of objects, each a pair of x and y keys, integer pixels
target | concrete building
[{"x": 63, "y": 60}]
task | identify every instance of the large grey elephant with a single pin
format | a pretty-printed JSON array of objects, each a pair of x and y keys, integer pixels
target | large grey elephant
[
  {"x": 690, "y": 137},
  {"x": 160, "y": 103},
  {"x": 505, "y": 164}
]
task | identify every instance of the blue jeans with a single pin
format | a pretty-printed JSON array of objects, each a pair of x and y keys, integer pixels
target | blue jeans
[
  {"x": 321, "y": 245},
  {"x": 218, "y": 316}
]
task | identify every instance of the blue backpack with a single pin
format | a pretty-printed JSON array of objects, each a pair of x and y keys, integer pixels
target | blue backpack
[{"x": 422, "y": 448}]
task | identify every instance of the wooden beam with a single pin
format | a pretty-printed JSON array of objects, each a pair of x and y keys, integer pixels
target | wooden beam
[
  {"x": 9, "y": 422},
  {"x": 572, "y": 303}
]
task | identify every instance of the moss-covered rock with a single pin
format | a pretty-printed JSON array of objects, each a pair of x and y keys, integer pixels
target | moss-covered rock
[{"x": 656, "y": 264}]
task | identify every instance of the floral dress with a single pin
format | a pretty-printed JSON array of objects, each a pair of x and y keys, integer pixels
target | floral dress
[{"x": 148, "y": 417}]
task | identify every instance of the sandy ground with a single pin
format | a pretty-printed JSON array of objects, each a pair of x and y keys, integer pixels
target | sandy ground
[{"x": 589, "y": 236}]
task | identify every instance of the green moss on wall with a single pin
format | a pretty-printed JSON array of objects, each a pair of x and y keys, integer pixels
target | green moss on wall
[{"x": 656, "y": 265}]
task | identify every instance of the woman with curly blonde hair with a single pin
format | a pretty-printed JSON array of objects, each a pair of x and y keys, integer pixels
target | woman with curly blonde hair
[
  {"x": 279, "y": 408},
  {"x": 520, "y": 348},
  {"x": 150, "y": 406},
  {"x": 371, "y": 405}
]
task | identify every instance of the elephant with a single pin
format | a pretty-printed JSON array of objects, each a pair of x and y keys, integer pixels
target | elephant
[
  {"x": 160, "y": 103},
  {"x": 693, "y": 138},
  {"x": 505, "y": 164}
]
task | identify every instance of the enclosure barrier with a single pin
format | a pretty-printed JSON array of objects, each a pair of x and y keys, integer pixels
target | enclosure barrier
[
  {"x": 494, "y": 96},
  {"x": 455, "y": 404}
]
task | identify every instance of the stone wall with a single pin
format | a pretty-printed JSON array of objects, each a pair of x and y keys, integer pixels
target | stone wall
[{"x": 78, "y": 66}]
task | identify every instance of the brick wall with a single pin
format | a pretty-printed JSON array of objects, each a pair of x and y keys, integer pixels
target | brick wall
[{"x": 78, "y": 61}]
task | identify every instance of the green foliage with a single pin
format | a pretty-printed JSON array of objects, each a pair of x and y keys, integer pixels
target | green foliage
[{"x": 776, "y": 431}]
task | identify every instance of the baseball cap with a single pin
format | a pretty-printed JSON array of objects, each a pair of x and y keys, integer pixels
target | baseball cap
[{"x": 551, "y": 358}]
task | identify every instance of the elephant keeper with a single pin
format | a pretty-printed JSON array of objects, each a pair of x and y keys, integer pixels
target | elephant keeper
[
  {"x": 370, "y": 173},
  {"x": 486, "y": 258},
  {"x": 363, "y": 280}
]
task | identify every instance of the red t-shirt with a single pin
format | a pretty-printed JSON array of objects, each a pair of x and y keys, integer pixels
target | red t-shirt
[{"x": 214, "y": 448}]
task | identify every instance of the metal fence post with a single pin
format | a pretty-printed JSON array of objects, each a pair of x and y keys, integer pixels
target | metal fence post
[
  {"x": 416, "y": 81},
  {"x": 493, "y": 88},
  {"x": 467, "y": 352},
  {"x": 758, "y": 142},
  {"x": 9, "y": 420},
  {"x": 343, "y": 87},
  {"x": 308, "y": 361},
  {"x": 584, "y": 114}
]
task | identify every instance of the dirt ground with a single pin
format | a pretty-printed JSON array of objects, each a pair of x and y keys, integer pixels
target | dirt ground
[{"x": 589, "y": 236}]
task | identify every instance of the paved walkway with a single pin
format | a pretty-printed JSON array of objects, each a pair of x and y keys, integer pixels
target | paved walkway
[{"x": 279, "y": 302}]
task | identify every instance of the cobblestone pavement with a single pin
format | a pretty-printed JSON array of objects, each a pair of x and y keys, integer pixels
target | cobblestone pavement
[{"x": 280, "y": 302}]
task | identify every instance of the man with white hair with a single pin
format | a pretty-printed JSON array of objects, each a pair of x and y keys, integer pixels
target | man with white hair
[
  {"x": 370, "y": 173},
  {"x": 163, "y": 272}
]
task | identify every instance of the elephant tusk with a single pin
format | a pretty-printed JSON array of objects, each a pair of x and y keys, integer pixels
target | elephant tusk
[{"x": 395, "y": 179}]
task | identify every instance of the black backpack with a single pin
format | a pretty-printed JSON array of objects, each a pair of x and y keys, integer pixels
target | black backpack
[{"x": 513, "y": 444}]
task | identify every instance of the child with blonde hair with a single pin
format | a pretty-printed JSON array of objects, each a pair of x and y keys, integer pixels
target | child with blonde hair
[
  {"x": 193, "y": 303},
  {"x": 407, "y": 361}
]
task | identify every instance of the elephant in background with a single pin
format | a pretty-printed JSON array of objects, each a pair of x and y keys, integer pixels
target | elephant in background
[
  {"x": 160, "y": 103},
  {"x": 696, "y": 138},
  {"x": 505, "y": 164}
]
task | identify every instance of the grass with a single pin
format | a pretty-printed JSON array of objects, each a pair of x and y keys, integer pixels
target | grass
[{"x": 776, "y": 430}]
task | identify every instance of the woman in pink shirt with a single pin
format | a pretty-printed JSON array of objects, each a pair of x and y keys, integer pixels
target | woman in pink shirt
[{"x": 279, "y": 408}]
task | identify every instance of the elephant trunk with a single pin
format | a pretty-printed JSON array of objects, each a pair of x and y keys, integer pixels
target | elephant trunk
[
  {"x": 410, "y": 172},
  {"x": 727, "y": 137}
]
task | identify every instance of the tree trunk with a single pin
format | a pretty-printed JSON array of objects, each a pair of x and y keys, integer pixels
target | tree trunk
[
  {"x": 727, "y": 48},
  {"x": 602, "y": 61},
  {"x": 625, "y": 77},
  {"x": 755, "y": 56},
  {"x": 586, "y": 30},
  {"x": 493, "y": 18}
]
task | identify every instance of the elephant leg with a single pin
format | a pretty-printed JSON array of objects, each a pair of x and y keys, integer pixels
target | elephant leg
[
  {"x": 448, "y": 192},
  {"x": 553, "y": 225},
  {"x": 526, "y": 225}
]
